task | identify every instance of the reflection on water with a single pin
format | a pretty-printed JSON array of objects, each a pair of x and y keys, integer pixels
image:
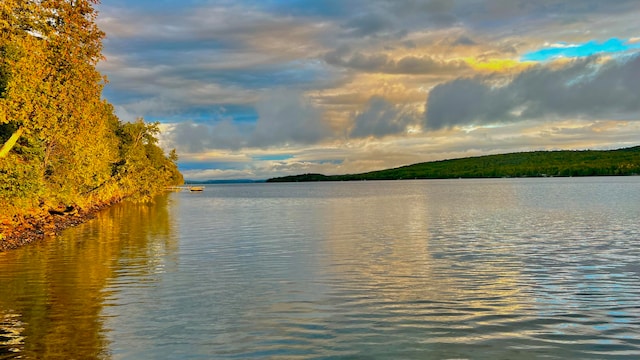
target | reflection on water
[
  {"x": 52, "y": 293},
  {"x": 465, "y": 269}
]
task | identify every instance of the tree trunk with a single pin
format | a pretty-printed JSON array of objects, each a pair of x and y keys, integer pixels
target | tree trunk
[{"x": 11, "y": 142}]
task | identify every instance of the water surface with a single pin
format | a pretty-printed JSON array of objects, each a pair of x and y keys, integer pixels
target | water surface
[{"x": 441, "y": 269}]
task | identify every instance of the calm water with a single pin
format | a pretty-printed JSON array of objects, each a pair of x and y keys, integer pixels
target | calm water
[{"x": 452, "y": 269}]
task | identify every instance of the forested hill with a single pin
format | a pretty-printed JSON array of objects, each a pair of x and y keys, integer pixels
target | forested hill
[
  {"x": 527, "y": 164},
  {"x": 61, "y": 145}
]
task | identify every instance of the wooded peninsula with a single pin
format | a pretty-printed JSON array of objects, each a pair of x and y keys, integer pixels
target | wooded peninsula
[
  {"x": 526, "y": 164},
  {"x": 63, "y": 151}
]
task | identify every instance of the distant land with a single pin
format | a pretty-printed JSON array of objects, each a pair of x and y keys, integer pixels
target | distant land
[{"x": 565, "y": 163}]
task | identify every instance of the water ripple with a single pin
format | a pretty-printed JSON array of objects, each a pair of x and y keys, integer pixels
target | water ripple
[{"x": 486, "y": 269}]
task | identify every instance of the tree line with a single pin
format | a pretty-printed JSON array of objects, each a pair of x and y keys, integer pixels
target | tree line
[
  {"x": 61, "y": 144},
  {"x": 526, "y": 164}
]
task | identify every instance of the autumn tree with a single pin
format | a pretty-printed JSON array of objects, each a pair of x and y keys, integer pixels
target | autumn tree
[
  {"x": 144, "y": 169},
  {"x": 60, "y": 142},
  {"x": 21, "y": 57}
]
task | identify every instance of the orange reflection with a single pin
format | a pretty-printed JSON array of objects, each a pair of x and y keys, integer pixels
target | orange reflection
[{"x": 53, "y": 292}]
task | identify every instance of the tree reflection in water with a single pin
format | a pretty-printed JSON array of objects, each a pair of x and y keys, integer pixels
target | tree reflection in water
[{"x": 53, "y": 293}]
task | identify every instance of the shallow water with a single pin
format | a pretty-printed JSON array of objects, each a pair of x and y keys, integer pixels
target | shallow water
[{"x": 438, "y": 269}]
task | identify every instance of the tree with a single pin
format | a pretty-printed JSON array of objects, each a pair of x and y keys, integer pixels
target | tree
[
  {"x": 60, "y": 142},
  {"x": 144, "y": 170}
]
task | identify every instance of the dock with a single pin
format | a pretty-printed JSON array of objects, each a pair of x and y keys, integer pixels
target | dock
[{"x": 192, "y": 188}]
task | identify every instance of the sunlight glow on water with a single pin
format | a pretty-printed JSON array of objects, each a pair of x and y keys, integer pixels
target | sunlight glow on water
[{"x": 464, "y": 269}]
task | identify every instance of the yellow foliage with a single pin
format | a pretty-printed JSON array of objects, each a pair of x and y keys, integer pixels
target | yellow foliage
[{"x": 73, "y": 149}]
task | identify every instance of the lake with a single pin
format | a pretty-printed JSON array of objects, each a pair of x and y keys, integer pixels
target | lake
[{"x": 432, "y": 269}]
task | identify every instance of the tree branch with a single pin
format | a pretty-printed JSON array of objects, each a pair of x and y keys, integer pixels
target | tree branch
[{"x": 11, "y": 142}]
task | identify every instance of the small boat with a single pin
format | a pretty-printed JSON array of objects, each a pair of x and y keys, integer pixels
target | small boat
[{"x": 196, "y": 188}]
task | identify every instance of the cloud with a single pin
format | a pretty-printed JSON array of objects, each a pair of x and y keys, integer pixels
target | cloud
[
  {"x": 192, "y": 138},
  {"x": 588, "y": 88},
  {"x": 287, "y": 117},
  {"x": 381, "y": 118},
  {"x": 283, "y": 118},
  {"x": 337, "y": 84},
  {"x": 172, "y": 59},
  {"x": 368, "y": 24},
  {"x": 383, "y": 63},
  {"x": 221, "y": 174},
  {"x": 371, "y": 18},
  {"x": 458, "y": 102},
  {"x": 464, "y": 40}
]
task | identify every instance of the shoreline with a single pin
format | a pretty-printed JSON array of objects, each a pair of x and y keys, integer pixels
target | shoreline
[{"x": 46, "y": 223}]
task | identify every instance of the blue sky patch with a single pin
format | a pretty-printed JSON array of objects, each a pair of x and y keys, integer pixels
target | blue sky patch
[
  {"x": 274, "y": 157},
  {"x": 239, "y": 114},
  {"x": 566, "y": 50}
]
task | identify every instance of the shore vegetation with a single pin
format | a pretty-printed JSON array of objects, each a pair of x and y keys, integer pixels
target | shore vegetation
[{"x": 63, "y": 151}]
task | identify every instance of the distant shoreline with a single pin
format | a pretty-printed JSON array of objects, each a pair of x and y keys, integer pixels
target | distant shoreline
[
  {"x": 562, "y": 163},
  {"x": 330, "y": 178},
  {"x": 213, "y": 182}
]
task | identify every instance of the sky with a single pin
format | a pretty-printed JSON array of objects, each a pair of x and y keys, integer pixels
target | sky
[{"x": 253, "y": 89}]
